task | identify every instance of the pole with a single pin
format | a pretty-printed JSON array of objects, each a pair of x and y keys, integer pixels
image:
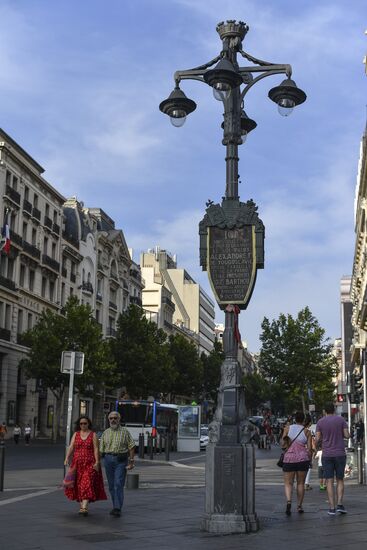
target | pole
[
  {"x": 350, "y": 442},
  {"x": 360, "y": 464},
  {"x": 2, "y": 464},
  {"x": 364, "y": 415},
  {"x": 70, "y": 400}
]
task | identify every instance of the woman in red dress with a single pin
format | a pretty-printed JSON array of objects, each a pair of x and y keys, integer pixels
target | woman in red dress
[{"x": 88, "y": 486}]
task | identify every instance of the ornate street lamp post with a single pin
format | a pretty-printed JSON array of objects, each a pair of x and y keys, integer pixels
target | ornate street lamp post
[{"x": 231, "y": 250}]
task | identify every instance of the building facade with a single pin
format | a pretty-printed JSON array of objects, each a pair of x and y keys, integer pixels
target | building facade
[
  {"x": 181, "y": 305},
  {"x": 59, "y": 249}
]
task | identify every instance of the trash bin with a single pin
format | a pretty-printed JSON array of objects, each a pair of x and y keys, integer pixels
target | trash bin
[{"x": 132, "y": 481}]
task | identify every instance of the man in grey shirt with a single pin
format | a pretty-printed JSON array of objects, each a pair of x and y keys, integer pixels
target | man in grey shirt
[{"x": 331, "y": 430}]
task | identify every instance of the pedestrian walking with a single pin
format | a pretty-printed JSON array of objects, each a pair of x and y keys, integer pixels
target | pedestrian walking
[
  {"x": 297, "y": 458},
  {"x": 17, "y": 433},
  {"x": 322, "y": 480},
  {"x": 3, "y": 432},
  {"x": 88, "y": 485},
  {"x": 27, "y": 434},
  {"x": 331, "y": 430},
  {"x": 117, "y": 447}
]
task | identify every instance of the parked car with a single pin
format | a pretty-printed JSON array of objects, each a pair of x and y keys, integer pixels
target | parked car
[{"x": 204, "y": 436}]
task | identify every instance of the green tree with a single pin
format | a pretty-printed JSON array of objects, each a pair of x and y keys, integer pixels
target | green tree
[
  {"x": 141, "y": 354},
  {"x": 257, "y": 391},
  {"x": 296, "y": 355},
  {"x": 74, "y": 330},
  {"x": 211, "y": 372},
  {"x": 188, "y": 367}
]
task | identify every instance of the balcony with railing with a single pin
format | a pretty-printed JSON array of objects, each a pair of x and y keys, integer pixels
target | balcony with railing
[
  {"x": 47, "y": 222},
  {"x": 50, "y": 262},
  {"x": 72, "y": 277},
  {"x": 56, "y": 228},
  {"x": 168, "y": 302},
  {"x": 112, "y": 305},
  {"x": 64, "y": 272},
  {"x": 31, "y": 250},
  {"x": 16, "y": 239},
  {"x": 70, "y": 239},
  {"x": 99, "y": 296},
  {"x": 27, "y": 207},
  {"x": 7, "y": 283},
  {"x": 136, "y": 301},
  {"x": 5, "y": 334},
  {"x": 12, "y": 194},
  {"x": 36, "y": 214},
  {"x": 87, "y": 287},
  {"x": 111, "y": 332}
]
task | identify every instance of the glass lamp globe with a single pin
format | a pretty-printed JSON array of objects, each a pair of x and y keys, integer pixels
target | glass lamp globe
[
  {"x": 178, "y": 118},
  {"x": 286, "y": 106},
  {"x": 221, "y": 91}
]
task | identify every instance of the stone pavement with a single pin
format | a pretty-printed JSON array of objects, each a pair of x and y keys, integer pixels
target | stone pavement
[{"x": 167, "y": 514}]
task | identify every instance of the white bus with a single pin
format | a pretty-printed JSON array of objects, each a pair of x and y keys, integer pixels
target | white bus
[{"x": 146, "y": 417}]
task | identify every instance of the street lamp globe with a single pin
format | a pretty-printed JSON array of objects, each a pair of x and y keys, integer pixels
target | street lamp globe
[
  {"x": 221, "y": 91},
  {"x": 177, "y": 117}
]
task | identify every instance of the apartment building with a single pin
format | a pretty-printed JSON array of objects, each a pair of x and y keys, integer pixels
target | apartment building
[
  {"x": 180, "y": 303},
  {"x": 59, "y": 248}
]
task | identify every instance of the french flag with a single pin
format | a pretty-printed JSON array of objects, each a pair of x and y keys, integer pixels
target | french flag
[{"x": 5, "y": 234}]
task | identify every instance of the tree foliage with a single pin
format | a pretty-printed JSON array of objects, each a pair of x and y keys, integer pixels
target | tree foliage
[
  {"x": 296, "y": 356},
  {"x": 211, "y": 372},
  {"x": 257, "y": 391},
  {"x": 188, "y": 367},
  {"x": 141, "y": 353},
  {"x": 75, "y": 330}
]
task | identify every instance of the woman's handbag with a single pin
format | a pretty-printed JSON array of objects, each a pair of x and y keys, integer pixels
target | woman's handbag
[
  {"x": 69, "y": 479},
  {"x": 281, "y": 458}
]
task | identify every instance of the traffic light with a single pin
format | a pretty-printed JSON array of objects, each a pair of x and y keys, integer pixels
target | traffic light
[{"x": 358, "y": 384}]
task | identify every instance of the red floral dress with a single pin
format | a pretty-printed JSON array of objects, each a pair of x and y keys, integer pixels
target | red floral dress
[{"x": 89, "y": 483}]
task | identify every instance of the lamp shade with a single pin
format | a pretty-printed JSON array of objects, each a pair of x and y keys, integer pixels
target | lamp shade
[{"x": 223, "y": 75}]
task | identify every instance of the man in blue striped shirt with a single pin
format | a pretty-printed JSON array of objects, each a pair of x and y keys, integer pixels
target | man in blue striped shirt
[{"x": 117, "y": 448}]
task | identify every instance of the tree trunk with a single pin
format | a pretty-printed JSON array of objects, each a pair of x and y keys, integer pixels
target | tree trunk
[{"x": 303, "y": 403}]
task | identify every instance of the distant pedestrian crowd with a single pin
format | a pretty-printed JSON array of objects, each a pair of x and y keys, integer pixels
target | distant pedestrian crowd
[{"x": 17, "y": 433}]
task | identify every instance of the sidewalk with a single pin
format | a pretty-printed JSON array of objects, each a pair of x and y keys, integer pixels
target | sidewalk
[{"x": 169, "y": 518}]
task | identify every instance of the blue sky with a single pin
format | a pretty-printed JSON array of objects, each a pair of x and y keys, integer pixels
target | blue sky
[{"x": 80, "y": 86}]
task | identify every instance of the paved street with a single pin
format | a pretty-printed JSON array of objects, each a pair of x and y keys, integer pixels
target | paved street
[{"x": 165, "y": 511}]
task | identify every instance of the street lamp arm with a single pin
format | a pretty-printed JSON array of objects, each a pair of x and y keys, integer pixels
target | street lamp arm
[
  {"x": 188, "y": 75},
  {"x": 179, "y": 75},
  {"x": 261, "y": 62},
  {"x": 278, "y": 70}
]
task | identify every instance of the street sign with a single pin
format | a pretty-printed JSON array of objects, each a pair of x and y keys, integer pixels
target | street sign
[
  {"x": 312, "y": 408},
  {"x": 67, "y": 360}
]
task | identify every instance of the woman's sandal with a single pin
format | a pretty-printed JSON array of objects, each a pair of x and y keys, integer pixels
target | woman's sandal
[
  {"x": 288, "y": 508},
  {"x": 300, "y": 510},
  {"x": 83, "y": 511}
]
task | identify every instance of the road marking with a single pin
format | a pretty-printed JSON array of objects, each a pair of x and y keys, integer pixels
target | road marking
[
  {"x": 178, "y": 465},
  {"x": 35, "y": 487},
  {"x": 25, "y": 497}
]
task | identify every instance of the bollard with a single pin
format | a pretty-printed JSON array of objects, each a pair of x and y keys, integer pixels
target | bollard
[
  {"x": 160, "y": 444},
  {"x": 2, "y": 464},
  {"x": 360, "y": 464},
  {"x": 141, "y": 445},
  {"x": 132, "y": 481},
  {"x": 167, "y": 446},
  {"x": 151, "y": 448}
]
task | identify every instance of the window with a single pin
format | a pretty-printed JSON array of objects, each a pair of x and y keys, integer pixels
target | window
[
  {"x": 11, "y": 413},
  {"x": 1, "y": 316},
  {"x": 20, "y": 321},
  {"x": 7, "y": 316},
  {"x": 35, "y": 201},
  {"x": 53, "y": 251},
  {"x": 43, "y": 287},
  {"x": 13, "y": 220},
  {"x": 29, "y": 321},
  {"x": 47, "y": 210},
  {"x": 22, "y": 275},
  {"x": 24, "y": 231},
  {"x": 45, "y": 245},
  {"x": 34, "y": 237},
  {"x": 10, "y": 270},
  {"x": 26, "y": 193},
  {"x": 97, "y": 316},
  {"x": 52, "y": 290},
  {"x": 15, "y": 183},
  {"x": 55, "y": 216},
  {"x": 8, "y": 177},
  {"x": 71, "y": 291},
  {"x": 31, "y": 279}
]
